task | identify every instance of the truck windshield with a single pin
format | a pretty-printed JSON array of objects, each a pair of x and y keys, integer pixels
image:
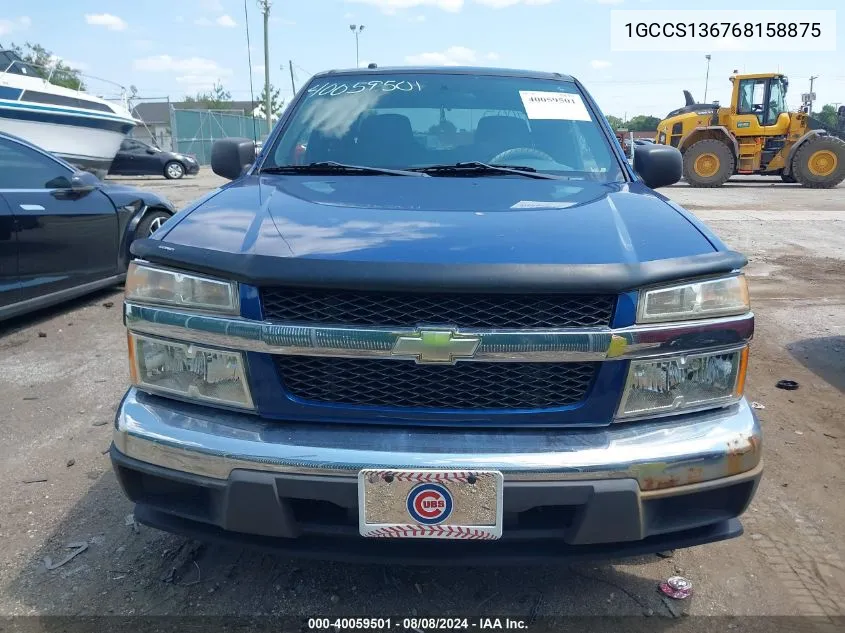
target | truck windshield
[{"x": 419, "y": 120}]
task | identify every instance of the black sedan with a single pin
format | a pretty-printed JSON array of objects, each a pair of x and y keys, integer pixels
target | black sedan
[
  {"x": 139, "y": 159},
  {"x": 64, "y": 232}
]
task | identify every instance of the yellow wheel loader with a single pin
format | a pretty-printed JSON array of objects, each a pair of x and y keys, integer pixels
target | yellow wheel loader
[{"x": 755, "y": 135}]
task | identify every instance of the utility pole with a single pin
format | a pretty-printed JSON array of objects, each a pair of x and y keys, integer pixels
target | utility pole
[
  {"x": 706, "y": 78},
  {"x": 812, "y": 96},
  {"x": 292, "y": 85},
  {"x": 356, "y": 29},
  {"x": 265, "y": 9}
]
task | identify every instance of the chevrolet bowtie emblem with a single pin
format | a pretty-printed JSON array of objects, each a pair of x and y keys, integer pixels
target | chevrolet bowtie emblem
[{"x": 436, "y": 346}]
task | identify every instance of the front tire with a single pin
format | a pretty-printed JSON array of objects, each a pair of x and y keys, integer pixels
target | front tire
[
  {"x": 708, "y": 163},
  {"x": 788, "y": 178},
  {"x": 174, "y": 170},
  {"x": 151, "y": 223},
  {"x": 820, "y": 162}
]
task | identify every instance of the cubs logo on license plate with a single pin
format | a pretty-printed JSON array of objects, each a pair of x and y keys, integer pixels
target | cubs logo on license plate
[{"x": 430, "y": 504}]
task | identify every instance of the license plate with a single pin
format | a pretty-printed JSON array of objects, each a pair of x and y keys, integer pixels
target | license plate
[{"x": 430, "y": 504}]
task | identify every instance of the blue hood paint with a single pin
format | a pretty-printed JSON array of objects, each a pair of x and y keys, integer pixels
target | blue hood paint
[{"x": 501, "y": 220}]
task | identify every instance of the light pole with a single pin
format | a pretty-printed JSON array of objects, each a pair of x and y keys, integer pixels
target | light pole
[
  {"x": 265, "y": 9},
  {"x": 356, "y": 29},
  {"x": 706, "y": 77},
  {"x": 812, "y": 96}
]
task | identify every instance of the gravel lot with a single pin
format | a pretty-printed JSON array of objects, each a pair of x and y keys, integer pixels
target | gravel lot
[{"x": 63, "y": 371}]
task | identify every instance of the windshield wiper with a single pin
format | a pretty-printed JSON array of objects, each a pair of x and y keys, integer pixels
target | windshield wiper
[
  {"x": 332, "y": 167},
  {"x": 478, "y": 168}
]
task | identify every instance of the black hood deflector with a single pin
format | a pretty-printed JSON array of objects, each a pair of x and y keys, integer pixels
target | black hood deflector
[{"x": 265, "y": 270}]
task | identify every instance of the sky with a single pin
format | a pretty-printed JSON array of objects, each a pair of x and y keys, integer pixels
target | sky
[{"x": 169, "y": 49}]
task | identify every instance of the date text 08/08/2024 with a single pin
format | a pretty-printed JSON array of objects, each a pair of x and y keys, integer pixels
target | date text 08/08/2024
[{"x": 417, "y": 624}]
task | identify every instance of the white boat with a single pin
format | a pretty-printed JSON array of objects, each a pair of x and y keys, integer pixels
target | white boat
[{"x": 83, "y": 129}]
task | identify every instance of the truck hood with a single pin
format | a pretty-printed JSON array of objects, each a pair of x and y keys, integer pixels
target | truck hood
[{"x": 303, "y": 222}]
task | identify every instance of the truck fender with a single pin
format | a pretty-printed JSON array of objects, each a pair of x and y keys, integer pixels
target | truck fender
[
  {"x": 711, "y": 131},
  {"x": 787, "y": 165}
]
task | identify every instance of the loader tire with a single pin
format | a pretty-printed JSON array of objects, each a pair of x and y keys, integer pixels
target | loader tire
[
  {"x": 788, "y": 178},
  {"x": 708, "y": 163},
  {"x": 820, "y": 162}
]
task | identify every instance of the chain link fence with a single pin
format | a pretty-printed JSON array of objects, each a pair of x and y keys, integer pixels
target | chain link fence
[{"x": 194, "y": 131}]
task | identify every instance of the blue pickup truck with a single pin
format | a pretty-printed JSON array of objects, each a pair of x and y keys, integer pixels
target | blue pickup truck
[{"x": 439, "y": 317}]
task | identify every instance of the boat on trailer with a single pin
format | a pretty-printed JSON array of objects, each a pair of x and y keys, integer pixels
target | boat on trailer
[{"x": 84, "y": 130}]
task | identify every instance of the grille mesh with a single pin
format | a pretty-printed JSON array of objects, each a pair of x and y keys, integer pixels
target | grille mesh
[
  {"x": 349, "y": 307},
  {"x": 466, "y": 385}
]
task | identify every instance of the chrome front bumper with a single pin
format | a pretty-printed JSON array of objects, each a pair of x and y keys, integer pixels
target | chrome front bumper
[{"x": 661, "y": 455}]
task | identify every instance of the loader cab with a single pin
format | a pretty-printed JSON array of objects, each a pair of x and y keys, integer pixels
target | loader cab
[{"x": 762, "y": 97}]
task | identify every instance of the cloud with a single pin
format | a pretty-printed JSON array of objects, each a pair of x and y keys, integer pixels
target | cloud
[
  {"x": 111, "y": 22},
  {"x": 191, "y": 69},
  {"x": 224, "y": 20},
  {"x": 598, "y": 64},
  {"x": 500, "y": 4},
  {"x": 258, "y": 69},
  {"x": 142, "y": 45},
  {"x": 452, "y": 56},
  {"x": 18, "y": 24},
  {"x": 391, "y": 6},
  {"x": 609, "y": 1}
]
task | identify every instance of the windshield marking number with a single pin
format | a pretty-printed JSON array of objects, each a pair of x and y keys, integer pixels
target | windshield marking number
[{"x": 377, "y": 85}]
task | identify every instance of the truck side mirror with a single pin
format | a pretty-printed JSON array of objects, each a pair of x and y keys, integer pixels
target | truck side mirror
[
  {"x": 230, "y": 156},
  {"x": 658, "y": 165}
]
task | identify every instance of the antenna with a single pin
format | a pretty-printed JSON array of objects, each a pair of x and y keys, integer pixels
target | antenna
[{"x": 251, "y": 91}]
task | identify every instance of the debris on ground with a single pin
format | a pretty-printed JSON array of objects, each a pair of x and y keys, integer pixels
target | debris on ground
[
  {"x": 669, "y": 553},
  {"x": 42, "y": 335},
  {"x": 789, "y": 385},
  {"x": 833, "y": 437},
  {"x": 31, "y": 398},
  {"x": 108, "y": 304},
  {"x": 71, "y": 462},
  {"x": 757, "y": 405},
  {"x": 77, "y": 547},
  {"x": 799, "y": 432},
  {"x": 183, "y": 558},
  {"x": 34, "y": 480},
  {"x": 676, "y": 587},
  {"x": 130, "y": 521},
  {"x": 100, "y": 423}
]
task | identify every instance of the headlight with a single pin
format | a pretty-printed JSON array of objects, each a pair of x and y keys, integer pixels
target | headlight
[
  {"x": 191, "y": 371},
  {"x": 149, "y": 284},
  {"x": 677, "y": 383},
  {"x": 694, "y": 300}
]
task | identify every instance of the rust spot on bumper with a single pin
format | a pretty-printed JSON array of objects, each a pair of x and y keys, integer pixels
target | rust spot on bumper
[{"x": 739, "y": 450}]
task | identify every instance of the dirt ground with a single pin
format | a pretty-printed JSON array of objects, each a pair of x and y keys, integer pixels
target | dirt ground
[{"x": 63, "y": 371}]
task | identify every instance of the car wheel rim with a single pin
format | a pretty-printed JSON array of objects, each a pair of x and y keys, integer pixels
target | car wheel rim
[
  {"x": 155, "y": 225},
  {"x": 174, "y": 170},
  {"x": 707, "y": 165},
  {"x": 823, "y": 163}
]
